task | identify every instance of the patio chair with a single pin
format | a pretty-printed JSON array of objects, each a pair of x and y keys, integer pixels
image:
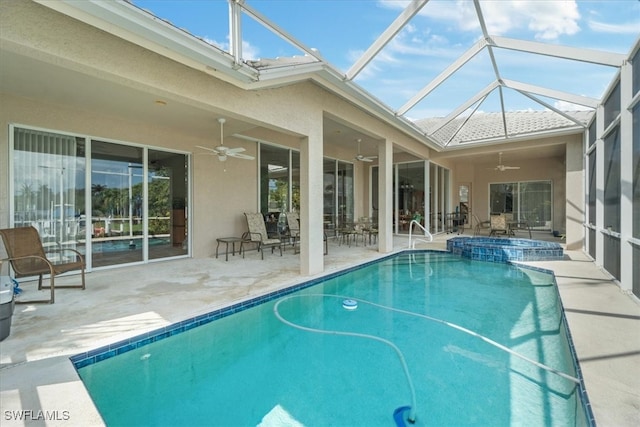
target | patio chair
[
  {"x": 480, "y": 225},
  {"x": 258, "y": 234},
  {"x": 28, "y": 258},
  {"x": 293, "y": 225},
  {"x": 498, "y": 225}
]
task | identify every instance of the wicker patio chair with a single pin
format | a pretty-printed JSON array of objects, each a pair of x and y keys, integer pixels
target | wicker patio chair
[
  {"x": 258, "y": 234},
  {"x": 28, "y": 258},
  {"x": 498, "y": 225},
  {"x": 293, "y": 227}
]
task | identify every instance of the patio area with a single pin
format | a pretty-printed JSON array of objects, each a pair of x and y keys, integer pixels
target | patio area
[{"x": 36, "y": 374}]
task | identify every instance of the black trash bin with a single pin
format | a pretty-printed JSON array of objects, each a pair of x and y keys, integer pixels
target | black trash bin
[{"x": 6, "y": 306}]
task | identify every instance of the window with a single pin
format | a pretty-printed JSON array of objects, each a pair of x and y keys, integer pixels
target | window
[
  {"x": 279, "y": 185},
  {"x": 529, "y": 201}
]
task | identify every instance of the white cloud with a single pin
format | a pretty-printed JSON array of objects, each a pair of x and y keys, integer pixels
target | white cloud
[
  {"x": 219, "y": 45},
  {"x": 569, "y": 106},
  {"x": 546, "y": 19},
  {"x": 249, "y": 52},
  {"x": 603, "y": 27}
]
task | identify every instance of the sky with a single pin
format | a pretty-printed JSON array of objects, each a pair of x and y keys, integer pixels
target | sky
[{"x": 341, "y": 30}]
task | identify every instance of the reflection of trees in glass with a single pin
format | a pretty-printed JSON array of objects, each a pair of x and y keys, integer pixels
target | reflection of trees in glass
[
  {"x": 116, "y": 202},
  {"x": 278, "y": 192},
  {"x": 97, "y": 194},
  {"x": 159, "y": 203},
  {"x": 27, "y": 194},
  {"x": 279, "y": 195},
  {"x": 45, "y": 196},
  {"x": 295, "y": 197}
]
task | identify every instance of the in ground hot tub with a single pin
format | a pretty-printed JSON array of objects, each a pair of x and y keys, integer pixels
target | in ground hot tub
[{"x": 504, "y": 250}]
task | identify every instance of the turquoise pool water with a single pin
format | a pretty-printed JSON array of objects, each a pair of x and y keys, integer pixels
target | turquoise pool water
[{"x": 461, "y": 342}]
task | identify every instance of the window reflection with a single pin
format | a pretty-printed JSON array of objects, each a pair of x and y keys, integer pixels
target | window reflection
[{"x": 117, "y": 201}]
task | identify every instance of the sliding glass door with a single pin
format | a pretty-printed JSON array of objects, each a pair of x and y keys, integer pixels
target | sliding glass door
[
  {"x": 329, "y": 205},
  {"x": 167, "y": 204},
  {"x": 345, "y": 194},
  {"x": 48, "y": 186},
  {"x": 117, "y": 200},
  {"x": 338, "y": 195},
  {"x": 411, "y": 195},
  {"x": 279, "y": 185},
  {"x": 123, "y": 211},
  {"x": 530, "y": 201}
]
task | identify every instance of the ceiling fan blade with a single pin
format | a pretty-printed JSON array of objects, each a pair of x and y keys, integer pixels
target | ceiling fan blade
[
  {"x": 241, "y": 156},
  {"x": 235, "y": 150},
  {"x": 510, "y": 167},
  {"x": 208, "y": 149},
  {"x": 362, "y": 158}
]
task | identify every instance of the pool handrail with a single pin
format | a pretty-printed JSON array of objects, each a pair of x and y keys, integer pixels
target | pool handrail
[{"x": 412, "y": 243}]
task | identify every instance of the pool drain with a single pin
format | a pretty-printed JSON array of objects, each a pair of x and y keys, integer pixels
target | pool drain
[{"x": 350, "y": 304}]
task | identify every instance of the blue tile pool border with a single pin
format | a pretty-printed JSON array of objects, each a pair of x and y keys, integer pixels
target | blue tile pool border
[
  {"x": 90, "y": 357},
  {"x": 96, "y": 355},
  {"x": 504, "y": 250}
]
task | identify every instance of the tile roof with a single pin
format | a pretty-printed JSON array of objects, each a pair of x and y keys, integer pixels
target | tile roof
[{"x": 489, "y": 126}]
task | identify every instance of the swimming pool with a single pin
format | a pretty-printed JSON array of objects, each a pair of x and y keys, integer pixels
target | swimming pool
[{"x": 427, "y": 333}]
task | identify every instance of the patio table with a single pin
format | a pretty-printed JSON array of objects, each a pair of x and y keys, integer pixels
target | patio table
[{"x": 226, "y": 241}]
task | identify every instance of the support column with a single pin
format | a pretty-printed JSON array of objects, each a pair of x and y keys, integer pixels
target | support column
[
  {"x": 600, "y": 163},
  {"x": 626, "y": 177},
  {"x": 574, "y": 204},
  {"x": 311, "y": 203},
  {"x": 385, "y": 196}
]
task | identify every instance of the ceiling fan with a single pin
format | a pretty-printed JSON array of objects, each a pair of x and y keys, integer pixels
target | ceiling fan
[
  {"x": 500, "y": 167},
  {"x": 222, "y": 151},
  {"x": 362, "y": 158}
]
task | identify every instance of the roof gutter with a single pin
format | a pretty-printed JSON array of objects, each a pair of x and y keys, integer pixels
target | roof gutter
[{"x": 133, "y": 24}]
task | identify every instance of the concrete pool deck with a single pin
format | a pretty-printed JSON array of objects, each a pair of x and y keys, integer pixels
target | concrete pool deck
[{"x": 38, "y": 381}]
